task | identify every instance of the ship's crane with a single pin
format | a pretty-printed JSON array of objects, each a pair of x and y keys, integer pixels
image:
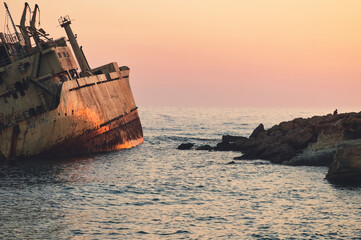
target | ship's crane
[
  {"x": 19, "y": 45},
  {"x": 33, "y": 30},
  {"x": 23, "y": 30},
  {"x": 12, "y": 21},
  {"x": 16, "y": 49}
]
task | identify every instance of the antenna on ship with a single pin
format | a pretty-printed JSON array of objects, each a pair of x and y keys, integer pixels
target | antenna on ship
[{"x": 83, "y": 63}]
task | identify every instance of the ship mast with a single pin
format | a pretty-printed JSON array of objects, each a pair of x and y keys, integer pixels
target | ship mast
[{"x": 83, "y": 63}]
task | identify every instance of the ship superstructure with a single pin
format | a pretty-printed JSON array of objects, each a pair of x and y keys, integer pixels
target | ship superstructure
[{"x": 48, "y": 107}]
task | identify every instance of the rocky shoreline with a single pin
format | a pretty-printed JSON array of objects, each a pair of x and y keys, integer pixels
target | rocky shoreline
[{"x": 331, "y": 140}]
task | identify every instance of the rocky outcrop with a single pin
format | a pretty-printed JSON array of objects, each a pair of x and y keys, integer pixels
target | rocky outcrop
[
  {"x": 310, "y": 141},
  {"x": 313, "y": 158},
  {"x": 346, "y": 167},
  {"x": 332, "y": 140}
]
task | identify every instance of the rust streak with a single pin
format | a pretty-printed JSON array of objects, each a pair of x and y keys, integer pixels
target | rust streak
[
  {"x": 14, "y": 140},
  {"x": 125, "y": 132}
]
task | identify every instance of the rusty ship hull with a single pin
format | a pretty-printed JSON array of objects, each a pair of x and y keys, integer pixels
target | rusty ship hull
[
  {"x": 53, "y": 104},
  {"x": 95, "y": 114}
]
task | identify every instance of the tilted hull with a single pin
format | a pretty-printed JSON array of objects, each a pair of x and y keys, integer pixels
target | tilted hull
[
  {"x": 49, "y": 108},
  {"x": 95, "y": 114}
]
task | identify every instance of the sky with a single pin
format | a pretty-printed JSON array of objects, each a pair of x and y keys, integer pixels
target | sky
[{"x": 223, "y": 53}]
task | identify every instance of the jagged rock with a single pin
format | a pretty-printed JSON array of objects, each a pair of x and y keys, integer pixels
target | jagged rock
[
  {"x": 230, "y": 143},
  {"x": 346, "y": 167},
  {"x": 275, "y": 132},
  {"x": 229, "y": 138},
  {"x": 257, "y": 131},
  {"x": 231, "y": 162},
  {"x": 299, "y": 137},
  {"x": 242, "y": 144},
  {"x": 313, "y": 158},
  {"x": 224, "y": 146},
  {"x": 279, "y": 153},
  {"x": 287, "y": 126},
  {"x": 204, "y": 147},
  {"x": 185, "y": 146},
  {"x": 353, "y": 131}
]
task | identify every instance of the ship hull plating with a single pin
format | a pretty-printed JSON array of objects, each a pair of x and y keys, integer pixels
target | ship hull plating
[
  {"x": 95, "y": 114},
  {"x": 122, "y": 133}
]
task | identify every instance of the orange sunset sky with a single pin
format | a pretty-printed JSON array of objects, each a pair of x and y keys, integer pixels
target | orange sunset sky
[{"x": 269, "y": 53}]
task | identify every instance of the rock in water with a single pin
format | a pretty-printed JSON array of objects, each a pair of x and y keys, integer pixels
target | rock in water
[
  {"x": 229, "y": 138},
  {"x": 204, "y": 147},
  {"x": 346, "y": 167},
  {"x": 231, "y": 162},
  {"x": 224, "y": 146},
  {"x": 229, "y": 143},
  {"x": 185, "y": 146},
  {"x": 257, "y": 131},
  {"x": 318, "y": 135},
  {"x": 313, "y": 158}
]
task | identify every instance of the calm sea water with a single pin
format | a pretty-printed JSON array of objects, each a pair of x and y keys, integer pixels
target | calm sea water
[{"x": 154, "y": 191}]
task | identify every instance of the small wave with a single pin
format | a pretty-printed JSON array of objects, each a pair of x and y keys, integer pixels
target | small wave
[
  {"x": 115, "y": 192},
  {"x": 164, "y": 129},
  {"x": 130, "y": 189},
  {"x": 182, "y": 139},
  {"x": 113, "y": 234},
  {"x": 122, "y": 228},
  {"x": 139, "y": 203},
  {"x": 210, "y": 218},
  {"x": 174, "y": 233},
  {"x": 261, "y": 163}
]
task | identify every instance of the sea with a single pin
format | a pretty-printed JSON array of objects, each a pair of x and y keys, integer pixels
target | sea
[{"x": 154, "y": 191}]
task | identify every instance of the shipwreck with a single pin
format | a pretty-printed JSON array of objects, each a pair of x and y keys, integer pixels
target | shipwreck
[{"x": 51, "y": 108}]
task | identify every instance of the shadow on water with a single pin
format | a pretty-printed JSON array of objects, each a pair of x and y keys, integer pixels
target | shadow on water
[
  {"x": 36, "y": 170},
  {"x": 345, "y": 185}
]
